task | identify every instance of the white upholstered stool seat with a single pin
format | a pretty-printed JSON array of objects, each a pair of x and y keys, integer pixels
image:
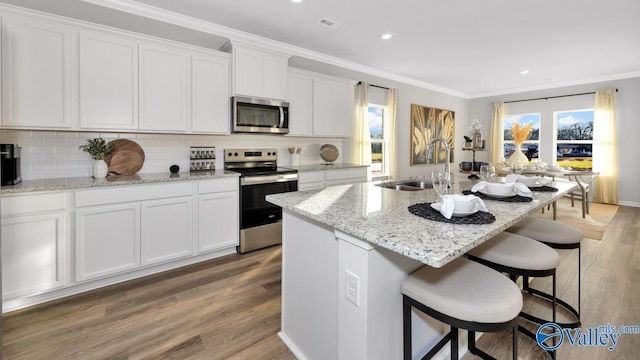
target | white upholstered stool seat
[
  {"x": 558, "y": 236},
  {"x": 515, "y": 251},
  {"x": 520, "y": 256},
  {"x": 463, "y": 294},
  {"x": 547, "y": 231}
]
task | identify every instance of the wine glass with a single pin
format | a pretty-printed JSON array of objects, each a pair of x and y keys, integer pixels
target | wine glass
[
  {"x": 517, "y": 167},
  {"x": 485, "y": 173},
  {"x": 440, "y": 182}
]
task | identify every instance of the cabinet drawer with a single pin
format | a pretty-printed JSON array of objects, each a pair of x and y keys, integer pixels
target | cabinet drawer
[
  {"x": 359, "y": 174},
  {"x": 132, "y": 193},
  {"x": 310, "y": 176},
  {"x": 218, "y": 185},
  {"x": 23, "y": 204},
  {"x": 338, "y": 174}
]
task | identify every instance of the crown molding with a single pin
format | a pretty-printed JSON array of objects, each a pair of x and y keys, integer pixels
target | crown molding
[
  {"x": 234, "y": 35},
  {"x": 592, "y": 80}
]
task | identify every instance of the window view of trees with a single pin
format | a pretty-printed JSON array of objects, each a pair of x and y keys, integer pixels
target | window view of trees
[
  {"x": 530, "y": 146},
  {"x": 574, "y": 142},
  {"x": 376, "y": 130}
]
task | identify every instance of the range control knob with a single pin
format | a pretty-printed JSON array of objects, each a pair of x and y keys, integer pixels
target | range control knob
[{"x": 235, "y": 154}]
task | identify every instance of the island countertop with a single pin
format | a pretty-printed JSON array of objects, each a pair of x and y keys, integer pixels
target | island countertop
[{"x": 381, "y": 217}]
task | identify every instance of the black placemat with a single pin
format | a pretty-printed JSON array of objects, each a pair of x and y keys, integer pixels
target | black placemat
[
  {"x": 424, "y": 210},
  {"x": 543, "y": 188},
  {"x": 515, "y": 198}
]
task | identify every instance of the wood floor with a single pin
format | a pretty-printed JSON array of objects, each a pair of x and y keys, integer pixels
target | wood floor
[{"x": 229, "y": 308}]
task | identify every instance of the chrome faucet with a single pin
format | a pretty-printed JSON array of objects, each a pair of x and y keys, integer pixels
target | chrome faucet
[{"x": 447, "y": 149}]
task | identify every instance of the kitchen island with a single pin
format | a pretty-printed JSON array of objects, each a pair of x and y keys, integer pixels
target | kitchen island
[{"x": 346, "y": 250}]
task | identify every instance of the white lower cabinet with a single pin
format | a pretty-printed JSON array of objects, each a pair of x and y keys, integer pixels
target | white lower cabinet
[
  {"x": 34, "y": 244},
  {"x": 314, "y": 180},
  {"x": 107, "y": 240},
  {"x": 218, "y": 214},
  {"x": 166, "y": 230},
  {"x": 56, "y": 244}
]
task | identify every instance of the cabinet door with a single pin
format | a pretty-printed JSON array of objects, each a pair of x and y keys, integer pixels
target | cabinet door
[
  {"x": 332, "y": 107},
  {"x": 247, "y": 71},
  {"x": 33, "y": 254},
  {"x": 210, "y": 94},
  {"x": 107, "y": 240},
  {"x": 166, "y": 230},
  {"x": 108, "y": 82},
  {"x": 218, "y": 221},
  {"x": 163, "y": 88},
  {"x": 300, "y": 104},
  {"x": 274, "y": 76},
  {"x": 36, "y": 74},
  {"x": 323, "y": 107}
]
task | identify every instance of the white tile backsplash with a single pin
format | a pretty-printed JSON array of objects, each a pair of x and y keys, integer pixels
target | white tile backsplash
[{"x": 51, "y": 154}]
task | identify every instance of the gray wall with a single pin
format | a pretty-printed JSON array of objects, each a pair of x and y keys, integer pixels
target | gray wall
[{"x": 628, "y": 116}]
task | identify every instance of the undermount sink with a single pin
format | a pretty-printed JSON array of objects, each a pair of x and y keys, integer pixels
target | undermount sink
[{"x": 407, "y": 185}]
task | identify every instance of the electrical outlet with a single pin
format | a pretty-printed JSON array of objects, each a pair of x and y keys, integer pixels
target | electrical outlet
[{"x": 352, "y": 287}]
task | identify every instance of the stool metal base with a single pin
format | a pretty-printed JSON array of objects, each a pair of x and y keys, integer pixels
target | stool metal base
[{"x": 452, "y": 336}]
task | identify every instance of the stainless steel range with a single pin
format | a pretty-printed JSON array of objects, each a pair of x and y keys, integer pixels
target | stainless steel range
[{"x": 260, "y": 221}]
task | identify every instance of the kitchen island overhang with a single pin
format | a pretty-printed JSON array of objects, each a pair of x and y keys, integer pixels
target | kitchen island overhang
[{"x": 366, "y": 233}]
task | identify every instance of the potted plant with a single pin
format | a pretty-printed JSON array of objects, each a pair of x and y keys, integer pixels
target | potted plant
[
  {"x": 98, "y": 149},
  {"x": 468, "y": 142}
]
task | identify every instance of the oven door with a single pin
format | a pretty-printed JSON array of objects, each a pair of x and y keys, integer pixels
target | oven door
[{"x": 255, "y": 209}]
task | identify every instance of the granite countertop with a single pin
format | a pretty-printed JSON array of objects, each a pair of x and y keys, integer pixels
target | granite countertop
[
  {"x": 27, "y": 186},
  {"x": 380, "y": 216},
  {"x": 321, "y": 167}
]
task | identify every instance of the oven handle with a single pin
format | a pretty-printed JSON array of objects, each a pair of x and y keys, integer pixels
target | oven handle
[{"x": 267, "y": 179}]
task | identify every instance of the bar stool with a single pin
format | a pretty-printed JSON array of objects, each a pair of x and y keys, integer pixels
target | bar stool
[
  {"x": 558, "y": 236},
  {"x": 464, "y": 295},
  {"x": 519, "y": 256}
]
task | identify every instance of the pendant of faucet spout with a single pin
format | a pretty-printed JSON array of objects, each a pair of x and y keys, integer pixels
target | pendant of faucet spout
[{"x": 446, "y": 148}]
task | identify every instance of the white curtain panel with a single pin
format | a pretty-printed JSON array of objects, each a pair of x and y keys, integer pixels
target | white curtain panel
[
  {"x": 497, "y": 132},
  {"x": 361, "y": 144},
  {"x": 605, "y": 147},
  {"x": 392, "y": 126}
]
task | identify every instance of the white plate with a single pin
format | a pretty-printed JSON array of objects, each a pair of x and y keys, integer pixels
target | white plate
[
  {"x": 486, "y": 192},
  {"x": 438, "y": 206}
]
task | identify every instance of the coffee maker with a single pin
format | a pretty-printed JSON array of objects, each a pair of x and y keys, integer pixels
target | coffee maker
[{"x": 10, "y": 164}]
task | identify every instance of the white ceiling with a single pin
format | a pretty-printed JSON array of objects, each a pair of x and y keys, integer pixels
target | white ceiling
[{"x": 471, "y": 47}]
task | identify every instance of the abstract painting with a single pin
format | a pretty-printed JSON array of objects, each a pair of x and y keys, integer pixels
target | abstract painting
[{"x": 427, "y": 124}]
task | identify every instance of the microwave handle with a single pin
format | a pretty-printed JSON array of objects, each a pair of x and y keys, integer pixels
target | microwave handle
[{"x": 281, "y": 117}]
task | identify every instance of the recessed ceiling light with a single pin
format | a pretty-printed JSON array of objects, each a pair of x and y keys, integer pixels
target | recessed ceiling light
[
  {"x": 386, "y": 36},
  {"x": 524, "y": 72},
  {"x": 296, "y": 1}
]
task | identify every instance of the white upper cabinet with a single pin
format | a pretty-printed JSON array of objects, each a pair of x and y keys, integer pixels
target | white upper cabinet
[
  {"x": 320, "y": 105},
  {"x": 36, "y": 74},
  {"x": 163, "y": 88},
  {"x": 258, "y": 72},
  {"x": 108, "y": 82},
  {"x": 300, "y": 103},
  {"x": 210, "y": 93},
  {"x": 332, "y": 107}
]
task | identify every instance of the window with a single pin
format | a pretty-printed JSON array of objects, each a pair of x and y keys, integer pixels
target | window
[
  {"x": 378, "y": 143},
  {"x": 531, "y": 145},
  {"x": 574, "y": 138}
]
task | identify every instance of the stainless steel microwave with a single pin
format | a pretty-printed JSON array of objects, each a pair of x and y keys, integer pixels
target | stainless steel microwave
[{"x": 258, "y": 115}]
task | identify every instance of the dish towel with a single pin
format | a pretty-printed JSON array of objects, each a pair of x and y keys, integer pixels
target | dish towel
[
  {"x": 527, "y": 180},
  {"x": 519, "y": 188},
  {"x": 449, "y": 203}
]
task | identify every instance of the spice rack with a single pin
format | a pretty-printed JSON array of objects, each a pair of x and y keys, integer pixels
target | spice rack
[{"x": 203, "y": 158}]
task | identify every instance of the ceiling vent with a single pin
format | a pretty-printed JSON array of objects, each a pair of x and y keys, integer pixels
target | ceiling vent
[{"x": 329, "y": 23}]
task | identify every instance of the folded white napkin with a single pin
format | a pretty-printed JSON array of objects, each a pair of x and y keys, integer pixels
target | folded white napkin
[
  {"x": 527, "y": 180},
  {"x": 449, "y": 203},
  {"x": 519, "y": 188}
]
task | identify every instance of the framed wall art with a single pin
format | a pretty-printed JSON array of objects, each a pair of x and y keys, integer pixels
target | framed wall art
[{"x": 427, "y": 124}]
